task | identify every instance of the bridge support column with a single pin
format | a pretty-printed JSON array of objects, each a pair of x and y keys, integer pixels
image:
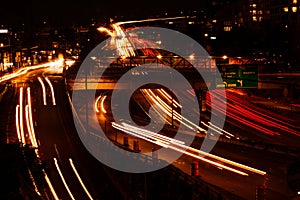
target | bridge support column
[{"x": 201, "y": 95}]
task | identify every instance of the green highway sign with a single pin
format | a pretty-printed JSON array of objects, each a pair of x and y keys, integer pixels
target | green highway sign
[{"x": 238, "y": 76}]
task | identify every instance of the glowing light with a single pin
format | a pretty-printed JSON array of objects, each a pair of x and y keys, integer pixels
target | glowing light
[
  {"x": 18, "y": 123},
  {"x": 24, "y": 70},
  {"x": 63, "y": 179},
  {"x": 34, "y": 184},
  {"x": 34, "y": 142},
  {"x": 52, "y": 90},
  {"x": 70, "y": 62},
  {"x": 168, "y": 110},
  {"x": 102, "y": 104},
  {"x": 79, "y": 179},
  {"x": 44, "y": 91},
  {"x": 21, "y": 116},
  {"x": 3, "y": 30},
  {"x": 192, "y": 57},
  {"x": 103, "y": 29},
  {"x": 50, "y": 186},
  {"x": 180, "y": 147},
  {"x": 96, "y": 104}
]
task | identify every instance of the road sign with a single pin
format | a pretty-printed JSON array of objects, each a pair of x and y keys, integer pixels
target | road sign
[{"x": 238, "y": 76}]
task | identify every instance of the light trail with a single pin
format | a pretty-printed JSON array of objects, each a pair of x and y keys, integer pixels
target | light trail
[
  {"x": 24, "y": 70},
  {"x": 50, "y": 186},
  {"x": 63, "y": 179},
  {"x": 181, "y": 144},
  {"x": 52, "y": 90},
  {"x": 18, "y": 123},
  {"x": 221, "y": 129},
  {"x": 96, "y": 104},
  {"x": 169, "y": 98},
  {"x": 260, "y": 115},
  {"x": 155, "y": 135},
  {"x": 34, "y": 184},
  {"x": 120, "y": 39},
  {"x": 178, "y": 146},
  {"x": 169, "y": 111},
  {"x": 21, "y": 116},
  {"x": 149, "y": 20},
  {"x": 79, "y": 179},
  {"x": 254, "y": 118},
  {"x": 44, "y": 91},
  {"x": 102, "y": 104},
  {"x": 31, "y": 118},
  {"x": 155, "y": 141},
  {"x": 28, "y": 125}
]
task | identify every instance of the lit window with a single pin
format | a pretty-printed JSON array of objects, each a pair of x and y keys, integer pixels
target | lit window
[
  {"x": 214, "y": 21},
  {"x": 227, "y": 28},
  {"x": 254, "y": 18},
  {"x": 294, "y": 9},
  {"x": 286, "y": 9},
  {"x": 260, "y": 19},
  {"x": 191, "y": 22},
  {"x": 254, "y": 5},
  {"x": 254, "y": 12},
  {"x": 294, "y": 1},
  {"x": 260, "y": 12}
]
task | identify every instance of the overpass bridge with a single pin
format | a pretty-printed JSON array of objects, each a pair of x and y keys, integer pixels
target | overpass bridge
[
  {"x": 141, "y": 67},
  {"x": 112, "y": 69}
]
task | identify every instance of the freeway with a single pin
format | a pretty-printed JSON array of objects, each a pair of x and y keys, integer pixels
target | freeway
[
  {"x": 43, "y": 122},
  {"x": 275, "y": 164},
  {"x": 38, "y": 117}
]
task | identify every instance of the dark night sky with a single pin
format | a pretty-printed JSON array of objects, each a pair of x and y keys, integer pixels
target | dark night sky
[{"x": 68, "y": 11}]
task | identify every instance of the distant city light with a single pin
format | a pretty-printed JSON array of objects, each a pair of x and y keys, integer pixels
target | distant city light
[
  {"x": 192, "y": 57},
  {"x": 3, "y": 30},
  {"x": 213, "y": 38},
  {"x": 225, "y": 57}
]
